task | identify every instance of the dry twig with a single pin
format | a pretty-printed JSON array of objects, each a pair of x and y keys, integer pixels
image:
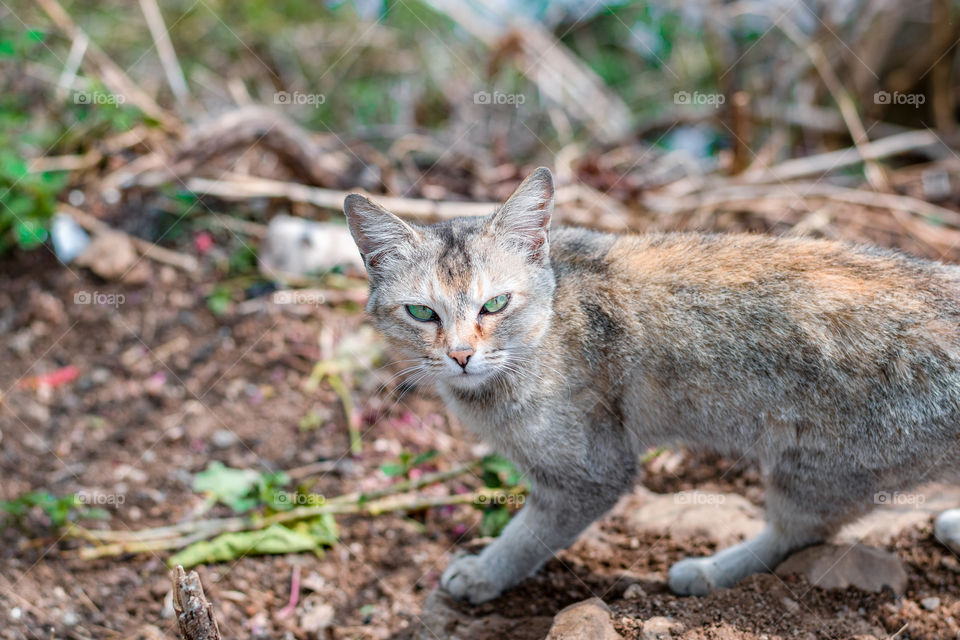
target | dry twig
[
  {"x": 195, "y": 619},
  {"x": 112, "y": 75}
]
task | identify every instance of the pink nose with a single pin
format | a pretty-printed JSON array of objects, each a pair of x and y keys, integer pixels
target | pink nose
[{"x": 461, "y": 355}]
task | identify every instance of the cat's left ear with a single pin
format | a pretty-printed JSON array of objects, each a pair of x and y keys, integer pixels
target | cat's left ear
[
  {"x": 380, "y": 235},
  {"x": 524, "y": 219}
]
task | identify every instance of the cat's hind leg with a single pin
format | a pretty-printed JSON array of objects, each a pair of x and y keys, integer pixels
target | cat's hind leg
[
  {"x": 762, "y": 553},
  {"x": 946, "y": 528},
  {"x": 806, "y": 504}
]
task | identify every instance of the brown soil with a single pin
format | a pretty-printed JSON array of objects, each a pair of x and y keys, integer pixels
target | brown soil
[{"x": 163, "y": 383}]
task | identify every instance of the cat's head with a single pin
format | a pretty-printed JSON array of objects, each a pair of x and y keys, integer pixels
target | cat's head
[{"x": 467, "y": 299}]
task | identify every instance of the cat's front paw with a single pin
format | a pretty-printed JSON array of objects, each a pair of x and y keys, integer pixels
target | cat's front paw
[
  {"x": 465, "y": 579},
  {"x": 694, "y": 577}
]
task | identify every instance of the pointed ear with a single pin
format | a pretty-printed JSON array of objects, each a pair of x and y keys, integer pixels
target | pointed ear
[
  {"x": 379, "y": 234},
  {"x": 524, "y": 219}
]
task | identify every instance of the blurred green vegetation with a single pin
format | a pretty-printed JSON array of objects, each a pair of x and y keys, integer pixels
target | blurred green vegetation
[{"x": 374, "y": 70}]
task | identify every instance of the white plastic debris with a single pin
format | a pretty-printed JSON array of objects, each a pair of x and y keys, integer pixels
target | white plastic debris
[
  {"x": 301, "y": 247},
  {"x": 69, "y": 238}
]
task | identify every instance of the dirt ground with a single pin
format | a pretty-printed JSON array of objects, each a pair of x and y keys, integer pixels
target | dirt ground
[{"x": 165, "y": 387}]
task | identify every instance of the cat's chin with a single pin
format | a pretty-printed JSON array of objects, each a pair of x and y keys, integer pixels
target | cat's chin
[{"x": 466, "y": 381}]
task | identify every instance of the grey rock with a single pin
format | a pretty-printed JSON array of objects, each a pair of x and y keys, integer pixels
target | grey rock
[
  {"x": 587, "y": 620},
  {"x": 661, "y": 628},
  {"x": 834, "y": 566}
]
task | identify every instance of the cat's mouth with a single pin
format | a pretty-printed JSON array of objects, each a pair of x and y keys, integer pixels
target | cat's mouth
[{"x": 469, "y": 377}]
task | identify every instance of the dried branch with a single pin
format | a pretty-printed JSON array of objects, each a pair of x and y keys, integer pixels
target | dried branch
[
  {"x": 848, "y": 110},
  {"x": 832, "y": 160},
  {"x": 150, "y": 540},
  {"x": 168, "y": 57},
  {"x": 195, "y": 619},
  {"x": 244, "y": 187},
  {"x": 107, "y": 70}
]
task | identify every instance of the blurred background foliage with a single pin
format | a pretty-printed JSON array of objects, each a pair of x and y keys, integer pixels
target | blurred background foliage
[{"x": 389, "y": 70}]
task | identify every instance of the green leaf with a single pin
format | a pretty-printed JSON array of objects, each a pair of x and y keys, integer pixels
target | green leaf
[
  {"x": 499, "y": 472},
  {"x": 232, "y": 487},
  {"x": 242, "y": 260},
  {"x": 311, "y": 421},
  {"x": 323, "y": 530},
  {"x": 494, "y": 520},
  {"x": 219, "y": 301},
  {"x": 392, "y": 469},
  {"x": 57, "y": 509},
  {"x": 270, "y": 489},
  {"x": 30, "y": 234},
  {"x": 240, "y": 489},
  {"x": 424, "y": 457},
  {"x": 274, "y": 539}
]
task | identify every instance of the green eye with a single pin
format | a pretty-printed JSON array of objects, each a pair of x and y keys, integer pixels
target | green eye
[
  {"x": 496, "y": 304},
  {"x": 421, "y": 312}
]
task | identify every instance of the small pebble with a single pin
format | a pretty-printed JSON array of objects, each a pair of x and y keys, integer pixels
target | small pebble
[
  {"x": 634, "y": 592},
  {"x": 930, "y": 604},
  {"x": 16, "y": 613},
  {"x": 790, "y": 605},
  {"x": 223, "y": 438},
  {"x": 70, "y": 618}
]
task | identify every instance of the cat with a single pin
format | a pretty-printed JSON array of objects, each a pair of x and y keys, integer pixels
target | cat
[{"x": 571, "y": 351}]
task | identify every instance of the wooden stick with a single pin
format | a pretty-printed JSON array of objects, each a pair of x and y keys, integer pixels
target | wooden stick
[
  {"x": 165, "y": 50},
  {"x": 349, "y": 412},
  {"x": 254, "y": 229},
  {"x": 75, "y": 162},
  {"x": 78, "y": 48},
  {"x": 832, "y": 160},
  {"x": 195, "y": 619},
  {"x": 801, "y": 191},
  {"x": 848, "y": 111},
  {"x": 245, "y": 187}
]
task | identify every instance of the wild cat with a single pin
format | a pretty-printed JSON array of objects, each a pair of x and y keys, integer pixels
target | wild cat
[{"x": 836, "y": 366}]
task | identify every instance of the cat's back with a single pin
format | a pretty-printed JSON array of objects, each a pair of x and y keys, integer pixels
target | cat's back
[
  {"x": 726, "y": 300},
  {"x": 679, "y": 270}
]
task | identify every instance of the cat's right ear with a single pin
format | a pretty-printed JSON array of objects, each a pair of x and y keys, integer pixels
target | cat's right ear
[
  {"x": 524, "y": 219},
  {"x": 379, "y": 234}
]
